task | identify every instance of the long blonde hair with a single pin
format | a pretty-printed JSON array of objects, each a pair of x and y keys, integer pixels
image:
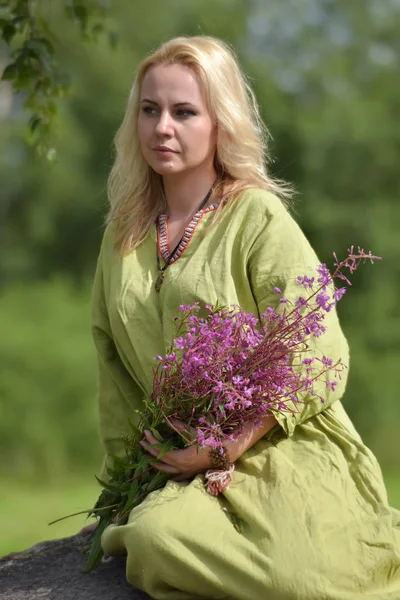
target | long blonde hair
[{"x": 135, "y": 190}]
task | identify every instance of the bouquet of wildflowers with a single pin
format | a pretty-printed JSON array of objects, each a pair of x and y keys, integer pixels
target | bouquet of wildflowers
[{"x": 222, "y": 372}]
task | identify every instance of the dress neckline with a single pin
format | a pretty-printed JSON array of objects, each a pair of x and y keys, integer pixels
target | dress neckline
[{"x": 162, "y": 236}]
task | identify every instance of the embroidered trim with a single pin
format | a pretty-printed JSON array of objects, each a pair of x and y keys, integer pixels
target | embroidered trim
[{"x": 163, "y": 241}]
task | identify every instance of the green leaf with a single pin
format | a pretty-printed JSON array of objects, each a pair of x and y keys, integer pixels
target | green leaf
[
  {"x": 156, "y": 434},
  {"x": 166, "y": 447},
  {"x": 142, "y": 465},
  {"x": 62, "y": 84},
  {"x": 133, "y": 493},
  {"x": 96, "y": 552},
  {"x": 52, "y": 108},
  {"x": 38, "y": 50},
  {"x": 211, "y": 402},
  {"x": 27, "y": 73},
  {"x": 135, "y": 429},
  {"x": 19, "y": 22},
  {"x": 8, "y": 33},
  {"x": 42, "y": 50},
  {"x": 5, "y": 10},
  {"x": 46, "y": 29},
  {"x": 31, "y": 102},
  {"x": 108, "y": 486},
  {"x": 81, "y": 14},
  {"x": 158, "y": 481},
  {"x": 119, "y": 462},
  {"x": 103, "y": 498},
  {"x": 81, "y": 512},
  {"x": 34, "y": 123},
  {"x": 10, "y": 72}
]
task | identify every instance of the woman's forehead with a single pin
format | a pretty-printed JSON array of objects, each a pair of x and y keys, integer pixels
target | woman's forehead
[{"x": 175, "y": 83}]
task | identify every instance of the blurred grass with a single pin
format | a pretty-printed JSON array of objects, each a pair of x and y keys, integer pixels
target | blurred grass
[
  {"x": 392, "y": 480},
  {"x": 27, "y": 509}
]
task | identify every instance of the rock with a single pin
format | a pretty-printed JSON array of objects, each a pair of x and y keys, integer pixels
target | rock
[{"x": 54, "y": 571}]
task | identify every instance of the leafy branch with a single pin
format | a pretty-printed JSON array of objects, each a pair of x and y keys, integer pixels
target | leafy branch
[{"x": 33, "y": 68}]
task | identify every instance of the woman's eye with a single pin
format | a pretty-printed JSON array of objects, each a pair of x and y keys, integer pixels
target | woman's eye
[
  {"x": 185, "y": 113},
  {"x": 181, "y": 113}
]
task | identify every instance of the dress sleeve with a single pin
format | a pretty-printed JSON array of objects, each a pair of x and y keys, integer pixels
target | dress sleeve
[
  {"x": 118, "y": 393},
  {"x": 279, "y": 254}
]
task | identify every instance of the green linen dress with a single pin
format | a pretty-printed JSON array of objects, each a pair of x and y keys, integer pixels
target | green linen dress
[{"x": 316, "y": 523}]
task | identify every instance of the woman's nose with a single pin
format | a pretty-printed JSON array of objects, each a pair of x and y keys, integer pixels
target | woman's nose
[{"x": 165, "y": 124}]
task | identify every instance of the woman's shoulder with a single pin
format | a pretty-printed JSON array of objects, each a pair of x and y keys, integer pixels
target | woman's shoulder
[
  {"x": 259, "y": 205},
  {"x": 109, "y": 233},
  {"x": 257, "y": 209},
  {"x": 107, "y": 246},
  {"x": 266, "y": 220}
]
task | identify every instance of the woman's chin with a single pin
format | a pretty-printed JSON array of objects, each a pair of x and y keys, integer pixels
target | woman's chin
[{"x": 167, "y": 169}]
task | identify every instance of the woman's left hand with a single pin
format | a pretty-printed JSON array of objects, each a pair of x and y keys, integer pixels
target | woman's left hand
[
  {"x": 184, "y": 464},
  {"x": 190, "y": 461}
]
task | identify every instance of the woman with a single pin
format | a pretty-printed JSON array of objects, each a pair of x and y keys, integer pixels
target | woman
[{"x": 195, "y": 217}]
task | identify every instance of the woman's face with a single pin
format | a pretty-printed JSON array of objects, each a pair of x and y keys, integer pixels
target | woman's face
[{"x": 176, "y": 131}]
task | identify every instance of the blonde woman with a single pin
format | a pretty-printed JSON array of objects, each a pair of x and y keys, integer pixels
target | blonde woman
[{"x": 195, "y": 217}]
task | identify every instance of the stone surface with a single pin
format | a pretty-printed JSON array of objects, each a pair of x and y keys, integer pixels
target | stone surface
[{"x": 54, "y": 571}]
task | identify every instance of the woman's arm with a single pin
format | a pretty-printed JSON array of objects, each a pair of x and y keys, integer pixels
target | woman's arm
[
  {"x": 187, "y": 463},
  {"x": 250, "y": 436},
  {"x": 278, "y": 254},
  {"x": 119, "y": 396}
]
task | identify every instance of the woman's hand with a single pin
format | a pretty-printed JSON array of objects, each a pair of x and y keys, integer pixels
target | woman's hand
[
  {"x": 187, "y": 463},
  {"x": 184, "y": 464},
  {"x": 89, "y": 528}
]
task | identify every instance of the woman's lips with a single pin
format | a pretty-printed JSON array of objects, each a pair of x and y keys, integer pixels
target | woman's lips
[{"x": 165, "y": 152}]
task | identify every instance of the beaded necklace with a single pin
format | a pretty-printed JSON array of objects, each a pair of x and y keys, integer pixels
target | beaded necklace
[{"x": 162, "y": 270}]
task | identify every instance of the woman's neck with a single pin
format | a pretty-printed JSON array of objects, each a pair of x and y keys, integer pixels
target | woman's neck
[{"x": 185, "y": 191}]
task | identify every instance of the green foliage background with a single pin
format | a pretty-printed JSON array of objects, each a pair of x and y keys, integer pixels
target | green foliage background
[{"x": 325, "y": 74}]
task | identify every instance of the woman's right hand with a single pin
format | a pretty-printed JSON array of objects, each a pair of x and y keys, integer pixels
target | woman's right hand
[{"x": 89, "y": 528}]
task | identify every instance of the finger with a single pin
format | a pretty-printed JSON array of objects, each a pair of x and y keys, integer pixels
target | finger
[
  {"x": 181, "y": 426},
  {"x": 149, "y": 448},
  {"x": 176, "y": 423},
  {"x": 165, "y": 459},
  {"x": 184, "y": 429},
  {"x": 150, "y": 437},
  {"x": 165, "y": 468},
  {"x": 185, "y": 426}
]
